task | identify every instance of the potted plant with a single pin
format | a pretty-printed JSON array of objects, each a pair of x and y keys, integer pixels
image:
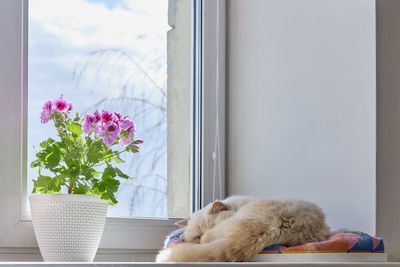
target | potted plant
[{"x": 68, "y": 227}]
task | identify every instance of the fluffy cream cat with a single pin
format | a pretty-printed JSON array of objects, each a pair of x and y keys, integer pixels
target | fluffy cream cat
[{"x": 238, "y": 228}]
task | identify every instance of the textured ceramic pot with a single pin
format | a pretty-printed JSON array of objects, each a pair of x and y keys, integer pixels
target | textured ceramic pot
[{"x": 68, "y": 228}]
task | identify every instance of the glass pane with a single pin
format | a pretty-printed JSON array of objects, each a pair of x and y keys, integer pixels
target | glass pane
[{"x": 106, "y": 55}]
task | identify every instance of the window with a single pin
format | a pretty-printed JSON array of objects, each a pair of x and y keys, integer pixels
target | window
[
  {"x": 115, "y": 60},
  {"x": 203, "y": 107}
]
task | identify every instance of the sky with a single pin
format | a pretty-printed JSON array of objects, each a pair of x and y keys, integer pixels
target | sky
[{"x": 107, "y": 55}]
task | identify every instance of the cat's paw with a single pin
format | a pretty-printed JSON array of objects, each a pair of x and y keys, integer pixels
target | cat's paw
[
  {"x": 165, "y": 256},
  {"x": 179, "y": 253},
  {"x": 207, "y": 237}
]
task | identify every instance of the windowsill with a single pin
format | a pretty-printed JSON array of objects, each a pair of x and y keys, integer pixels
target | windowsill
[
  {"x": 221, "y": 264},
  {"x": 122, "y": 258},
  {"x": 119, "y": 234}
]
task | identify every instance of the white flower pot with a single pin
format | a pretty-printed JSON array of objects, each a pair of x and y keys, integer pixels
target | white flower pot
[{"x": 68, "y": 227}]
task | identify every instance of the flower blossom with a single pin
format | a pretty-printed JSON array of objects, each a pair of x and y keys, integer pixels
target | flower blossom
[
  {"x": 117, "y": 117},
  {"x": 89, "y": 123},
  {"x": 98, "y": 122},
  {"x": 109, "y": 133},
  {"x": 127, "y": 123},
  {"x": 106, "y": 116},
  {"x": 97, "y": 115},
  {"x": 47, "y": 110},
  {"x": 128, "y": 131},
  {"x": 127, "y": 137},
  {"x": 60, "y": 104}
]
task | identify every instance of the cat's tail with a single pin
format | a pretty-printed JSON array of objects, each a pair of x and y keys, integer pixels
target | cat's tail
[{"x": 207, "y": 252}]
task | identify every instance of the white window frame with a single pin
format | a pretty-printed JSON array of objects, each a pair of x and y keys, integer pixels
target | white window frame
[
  {"x": 209, "y": 111},
  {"x": 130, "y": 235}
]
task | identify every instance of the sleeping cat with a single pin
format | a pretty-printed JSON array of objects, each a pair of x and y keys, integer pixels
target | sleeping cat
[{"x": 238, "y": 228}]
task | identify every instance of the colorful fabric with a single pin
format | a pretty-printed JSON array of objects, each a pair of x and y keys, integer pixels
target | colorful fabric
[
  {"x": 173, "y": 238},
  {"x": 337, "y": 242}
]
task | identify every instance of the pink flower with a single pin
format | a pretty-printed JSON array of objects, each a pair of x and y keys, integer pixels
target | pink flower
[
  {"x": 127, "y": 124},
  {"x": 127, "y": 136},
  {"x": 70, "y": 106},
  {"x": 128, "y": 131},
  {"x": 109, "y": 133},
  {"x": 47, "y": 110},
  {"x": 60, "y": 104},
  {"x": 107, "y": 116},
  {"x": 45, "y": 116},
  {"x": 48, "y": 106},
  {"x": 117, "y": 117},
  {"x": 89, "y": 124},
  {"x": 98, "y": 128},
  {"x": 97, "y": 116}
]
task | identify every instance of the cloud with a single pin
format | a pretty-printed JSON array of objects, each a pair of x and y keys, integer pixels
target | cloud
[{"x": 69, "y": 36}]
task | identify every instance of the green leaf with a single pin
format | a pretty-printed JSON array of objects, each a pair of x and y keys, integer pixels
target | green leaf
[
  {"x": 41, "y": 156},
  {"x": 36, "y": 163},
  {"x": 108, "y": 173},
  {"x": 60, "y": 179},
  {"x": 42, "y": 184},
  {"x": 76, "y": 129},
  {"x": 107, "y": 190},
  {"x": 118, "y": 160},
  {"x": 107, "y": 186},
  {"x": 81, "y": 189},
  {"x": 79, "y": 140},
  {"x": 47, "y": 184},
  {"x": 94, "y": 153},
  {"x": 53, "y": 158},
  {"x": 73, "y": 170},
  {"x": 47, "y": 143},
  {"x": 43, "y": 144},
  {"x": 66, "y": 142},
  {"x": 89, "y": 173},
  {"x": 75, "y": 154},
  {"x": 88, "y": 141},
  {"x": 121, "y": 174}
]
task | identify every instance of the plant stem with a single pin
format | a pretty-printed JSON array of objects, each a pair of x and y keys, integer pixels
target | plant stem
[
  {"x": 115, "y": 153},
  {"x": 70, "y": 186}
]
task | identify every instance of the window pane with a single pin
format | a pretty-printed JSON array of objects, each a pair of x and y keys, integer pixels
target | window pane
[{"x": 106, "y": 55}]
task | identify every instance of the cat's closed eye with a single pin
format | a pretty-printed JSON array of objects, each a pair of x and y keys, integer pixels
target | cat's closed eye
[{"x": 195, "y": 239}]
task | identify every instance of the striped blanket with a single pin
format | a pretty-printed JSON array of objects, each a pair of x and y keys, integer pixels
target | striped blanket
[{"x": 338, "y": 242}]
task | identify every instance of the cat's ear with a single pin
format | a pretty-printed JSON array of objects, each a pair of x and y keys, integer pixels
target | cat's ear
[
  {"x": 217, "y": 206},
  {"x": 182, "y": 223}
]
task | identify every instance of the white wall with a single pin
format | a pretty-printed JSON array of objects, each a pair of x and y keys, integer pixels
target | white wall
[{"x": 301, "y": 104}]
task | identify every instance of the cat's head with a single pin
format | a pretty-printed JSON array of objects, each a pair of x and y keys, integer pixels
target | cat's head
[{"x": 204, "y": 219}]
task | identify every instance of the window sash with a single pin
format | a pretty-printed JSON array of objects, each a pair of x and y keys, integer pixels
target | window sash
[
  {"x": 213, "y": 182},
  {"x": 196, "y": 155},
  {"x": 16, "y": 228}
]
